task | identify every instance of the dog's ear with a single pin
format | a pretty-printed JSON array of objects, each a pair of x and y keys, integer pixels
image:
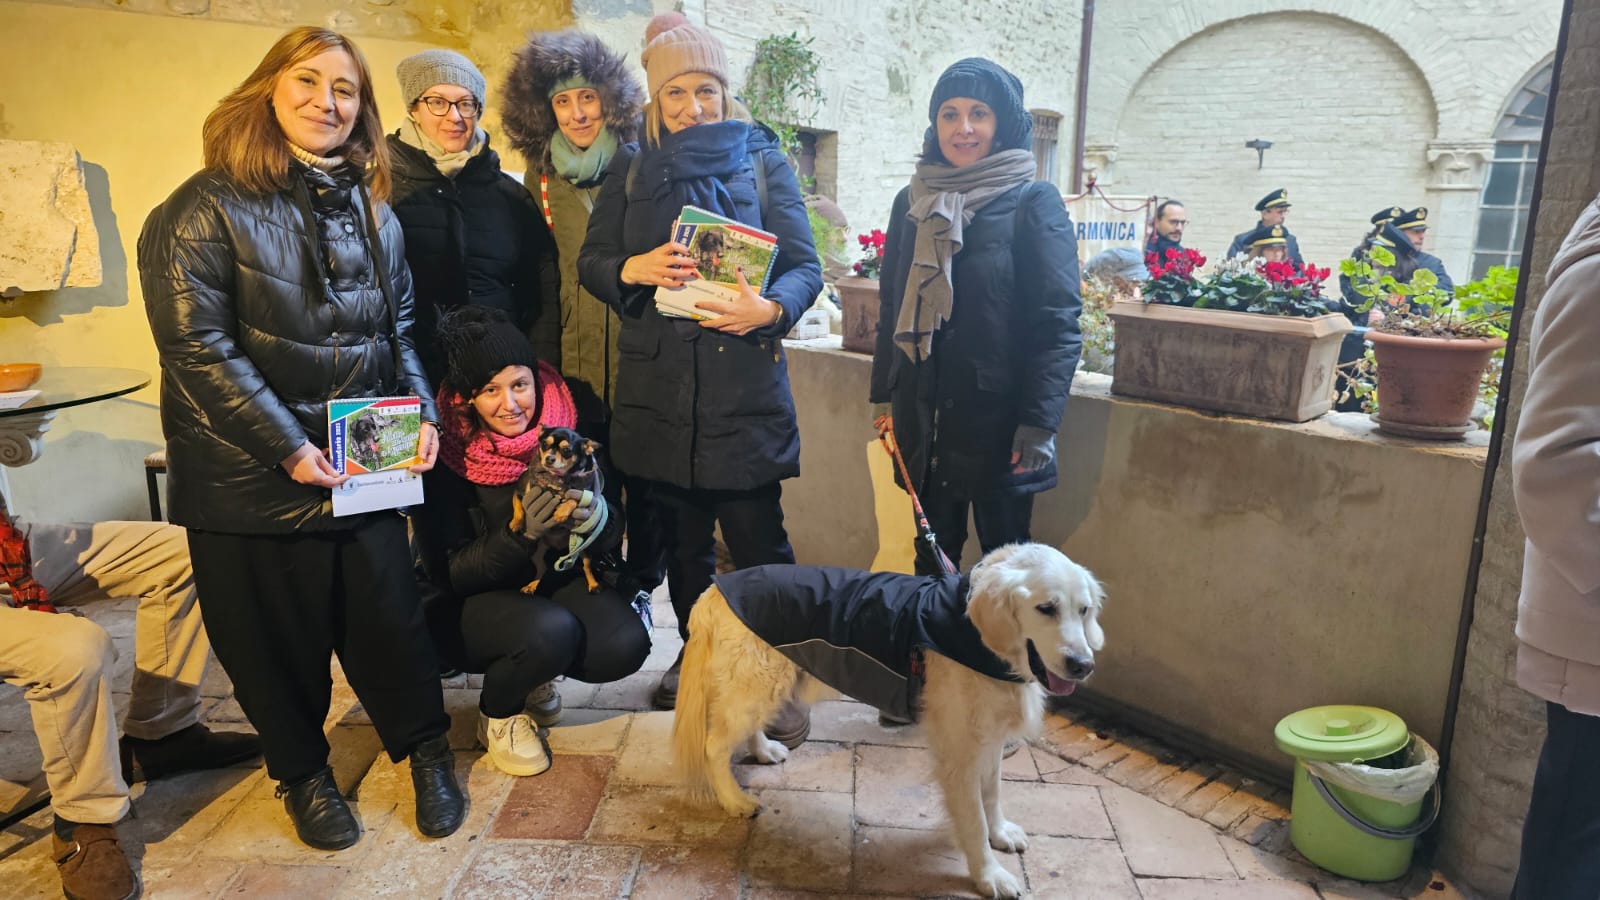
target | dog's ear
[
  {"x": 998, "y": 591},
  {"x": 1092, "y": 632}
]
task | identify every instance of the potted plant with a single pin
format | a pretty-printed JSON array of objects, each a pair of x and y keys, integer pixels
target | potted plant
[
  {"x": 1432, "y": 346},
  {"x": 858, "y": 295},
  {"x": 1253, "y": 337}
]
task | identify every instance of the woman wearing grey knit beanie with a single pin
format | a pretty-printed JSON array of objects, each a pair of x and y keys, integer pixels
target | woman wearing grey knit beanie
[
  {"x": 703, "y": 410},
  {"x": 474, "y": 236},
  {"x": 979, "y": 317}
]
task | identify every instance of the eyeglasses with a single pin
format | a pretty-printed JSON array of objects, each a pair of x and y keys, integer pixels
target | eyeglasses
[
  {"x": 1178, "y": 222},
  {"x": 439, "y": 106}
]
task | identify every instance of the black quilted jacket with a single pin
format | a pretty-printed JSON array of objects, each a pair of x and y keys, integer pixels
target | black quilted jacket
[{"x": 263, "y": 308}]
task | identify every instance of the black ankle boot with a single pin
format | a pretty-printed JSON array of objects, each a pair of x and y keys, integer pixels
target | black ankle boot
[
  {"x": 440, "y": 804},
  {"x": 321, "y": 817}
]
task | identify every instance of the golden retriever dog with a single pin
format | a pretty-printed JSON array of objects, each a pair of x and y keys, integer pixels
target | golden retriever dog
[{"x": 1033, "y": 608}]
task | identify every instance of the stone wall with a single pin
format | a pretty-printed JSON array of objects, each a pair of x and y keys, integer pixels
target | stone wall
[
  {"x": 1366, "y": 104},
  {"x": 1500, "y": 727},
  {"x": 880, "y": 62}
]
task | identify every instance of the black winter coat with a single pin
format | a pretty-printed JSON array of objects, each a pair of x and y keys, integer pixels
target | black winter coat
[
  {"x": 259, "y": 321},
  {"x": 695, "y": 407},
  {"x": 475, "y": 239},
  {"x": 1006, "y": 356}
]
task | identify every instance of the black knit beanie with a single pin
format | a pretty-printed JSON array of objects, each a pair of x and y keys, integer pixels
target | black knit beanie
[
  {"x": 984, "y": 80},
  {"x": 478, "y": 342}
]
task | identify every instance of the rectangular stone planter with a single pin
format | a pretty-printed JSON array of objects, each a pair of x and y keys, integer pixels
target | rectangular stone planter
[{"x": 1271, "y": 367}]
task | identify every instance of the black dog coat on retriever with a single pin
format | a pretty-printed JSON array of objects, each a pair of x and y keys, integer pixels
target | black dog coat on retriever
[{"x": 862, "y": 633}]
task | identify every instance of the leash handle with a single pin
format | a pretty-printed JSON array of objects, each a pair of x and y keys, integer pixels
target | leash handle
[{"x": 924, "y": 530}]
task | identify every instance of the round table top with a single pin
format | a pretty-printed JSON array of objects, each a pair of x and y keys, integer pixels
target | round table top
[{"x": 62, "y": 386}]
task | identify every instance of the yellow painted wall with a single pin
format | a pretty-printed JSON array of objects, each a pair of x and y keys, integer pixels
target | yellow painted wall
[{"x": 130, "y": 93}]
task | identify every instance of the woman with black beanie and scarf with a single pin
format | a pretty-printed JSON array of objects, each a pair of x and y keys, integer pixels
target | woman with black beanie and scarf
[
  {"x": 703, "y": 409},
  {"x": 978, "y": 329}
]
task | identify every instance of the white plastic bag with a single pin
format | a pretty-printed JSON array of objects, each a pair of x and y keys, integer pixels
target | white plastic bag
[{"x": 1407, "y": 785}]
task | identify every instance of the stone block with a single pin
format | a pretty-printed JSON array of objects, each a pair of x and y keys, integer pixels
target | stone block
[
  {"x": 1162, "y": 842},
  {"x": 801, "y": 839},
  {"x": 557, "y": 805},
  {"x": 912, "y": 863},
  {"x": 525, "y": 869},
  {"x": 47, "y": 235},
  {"x": 1076, "y": 867}
]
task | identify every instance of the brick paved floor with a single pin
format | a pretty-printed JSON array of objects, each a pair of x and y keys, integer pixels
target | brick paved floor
[{"x": 1110, "y": 815}]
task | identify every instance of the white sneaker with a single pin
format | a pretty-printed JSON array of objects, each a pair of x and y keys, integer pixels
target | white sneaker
[
  {"x": 544, "y": 704},
  {"x": 513, "y": 744}
]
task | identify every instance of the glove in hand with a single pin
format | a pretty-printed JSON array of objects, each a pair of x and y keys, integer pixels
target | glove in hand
[
  {"x": 538, "y": 512},
  {"x": 1032, "y": 448}
]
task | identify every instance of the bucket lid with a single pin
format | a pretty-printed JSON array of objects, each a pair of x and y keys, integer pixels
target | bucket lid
[{"x": 1341, "y": 733}]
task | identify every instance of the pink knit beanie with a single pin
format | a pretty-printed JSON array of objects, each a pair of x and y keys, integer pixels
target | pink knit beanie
[{"x": 675, "y": 46}]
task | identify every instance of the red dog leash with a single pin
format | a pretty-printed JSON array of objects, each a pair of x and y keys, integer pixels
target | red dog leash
[{"x": 924, "y": 530}]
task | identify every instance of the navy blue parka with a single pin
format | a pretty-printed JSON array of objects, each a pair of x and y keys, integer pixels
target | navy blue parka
[{"x": 695, "y": 407}]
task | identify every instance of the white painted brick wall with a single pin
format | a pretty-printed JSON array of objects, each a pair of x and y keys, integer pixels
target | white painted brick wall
[{"x": 1348, "y": 130}]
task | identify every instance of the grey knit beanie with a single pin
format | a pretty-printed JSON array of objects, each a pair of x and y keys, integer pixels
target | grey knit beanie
[
  {"x": 421, "y": 71},
  {"x": 982, "y": 79}
]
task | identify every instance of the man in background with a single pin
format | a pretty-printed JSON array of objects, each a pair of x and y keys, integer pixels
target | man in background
[{"x": 1171, "y": 219}]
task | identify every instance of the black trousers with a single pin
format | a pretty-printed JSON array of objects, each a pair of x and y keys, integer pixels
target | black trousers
[
  {"x": 1000, "y": 519},
  {"x": 1561, "y": 836},
  {"x": 646, "y": 559},
  {"x": 752, "y": 527},
  {"x": 519, "y": 641},
  {"x": 278, "y": 607}
]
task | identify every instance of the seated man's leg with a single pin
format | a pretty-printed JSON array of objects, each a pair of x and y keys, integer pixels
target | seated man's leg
[
  {"x": 63, "y": 664},
  {"x": 148, "y": 560}
]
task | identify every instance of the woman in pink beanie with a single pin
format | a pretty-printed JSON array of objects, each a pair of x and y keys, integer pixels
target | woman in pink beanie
[{"x": 703, "y": 411}]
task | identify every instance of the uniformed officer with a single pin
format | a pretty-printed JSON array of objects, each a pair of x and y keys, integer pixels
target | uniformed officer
[
  {"x": 1273, "y": 208},
  {"x": 1268, "y": 242},
  {"x": 1414, "y": 225}
]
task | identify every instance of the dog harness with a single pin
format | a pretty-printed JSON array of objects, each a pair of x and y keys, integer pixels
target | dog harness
[{"x": 862, "y": 633}]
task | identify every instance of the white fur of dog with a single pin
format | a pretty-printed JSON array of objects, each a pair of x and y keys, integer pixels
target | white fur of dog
[{"x": 732, "y": 683}]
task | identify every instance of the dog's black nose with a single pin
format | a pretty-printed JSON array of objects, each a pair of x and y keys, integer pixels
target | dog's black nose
[{"x": 1079, "y": 668}]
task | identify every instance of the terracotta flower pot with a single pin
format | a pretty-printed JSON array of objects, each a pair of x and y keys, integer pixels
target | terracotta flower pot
[
  {"x": 1426, "y": 386},
  {"x": 858, "y": 301}
]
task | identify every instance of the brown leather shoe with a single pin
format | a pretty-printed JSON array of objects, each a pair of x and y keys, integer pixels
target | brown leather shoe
[
  {"x": 666, "y": 694},
  {"x": 93, "y": 866},
  {"x": 791, "y": 725},
  {"x": 186, "y": 750}
]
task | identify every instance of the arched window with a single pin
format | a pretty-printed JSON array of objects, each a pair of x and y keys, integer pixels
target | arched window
[{"x": 1503, "y": 215}]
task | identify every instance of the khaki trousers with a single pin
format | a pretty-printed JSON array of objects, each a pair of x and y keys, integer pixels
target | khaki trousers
[{"x": 65, "y": 663}]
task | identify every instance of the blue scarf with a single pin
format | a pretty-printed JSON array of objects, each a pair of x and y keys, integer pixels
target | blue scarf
[{"x": 693, "y": 168}]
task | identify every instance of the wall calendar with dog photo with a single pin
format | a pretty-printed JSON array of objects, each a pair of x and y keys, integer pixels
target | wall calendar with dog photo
[
  {"x": 720, "y": 247},
  {"x": 373, "y": 440}
]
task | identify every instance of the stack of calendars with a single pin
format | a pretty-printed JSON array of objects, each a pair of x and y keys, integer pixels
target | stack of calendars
[{"x": 720, "y": 247}]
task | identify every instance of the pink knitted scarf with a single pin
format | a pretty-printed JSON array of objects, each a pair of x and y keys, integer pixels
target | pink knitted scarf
[{"x": 483, "y": 457}]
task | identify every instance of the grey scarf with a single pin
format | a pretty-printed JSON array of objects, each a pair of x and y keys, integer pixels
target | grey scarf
[{"x": 943, "y": 201}]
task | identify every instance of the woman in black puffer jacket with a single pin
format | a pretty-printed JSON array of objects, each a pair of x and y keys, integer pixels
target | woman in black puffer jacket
[
  {"x": 703, "y": 409},
  {"x": 474, "y": 236},
  {"x": 274, "y": 281},
  {"x": 978, "y": 332}
]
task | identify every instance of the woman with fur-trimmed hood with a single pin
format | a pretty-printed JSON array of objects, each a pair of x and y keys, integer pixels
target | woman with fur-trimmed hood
[{"x": 570, "y": 102}]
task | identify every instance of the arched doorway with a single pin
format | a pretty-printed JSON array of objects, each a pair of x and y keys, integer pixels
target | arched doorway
[{"x": 1508, "y": 191}]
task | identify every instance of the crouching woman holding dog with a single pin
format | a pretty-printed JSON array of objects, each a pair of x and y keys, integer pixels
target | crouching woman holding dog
[{"x": 481, "y": 535}]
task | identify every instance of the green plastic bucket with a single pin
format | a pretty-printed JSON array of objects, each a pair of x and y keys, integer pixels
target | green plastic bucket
[{"x": 1349, "y": 833}]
